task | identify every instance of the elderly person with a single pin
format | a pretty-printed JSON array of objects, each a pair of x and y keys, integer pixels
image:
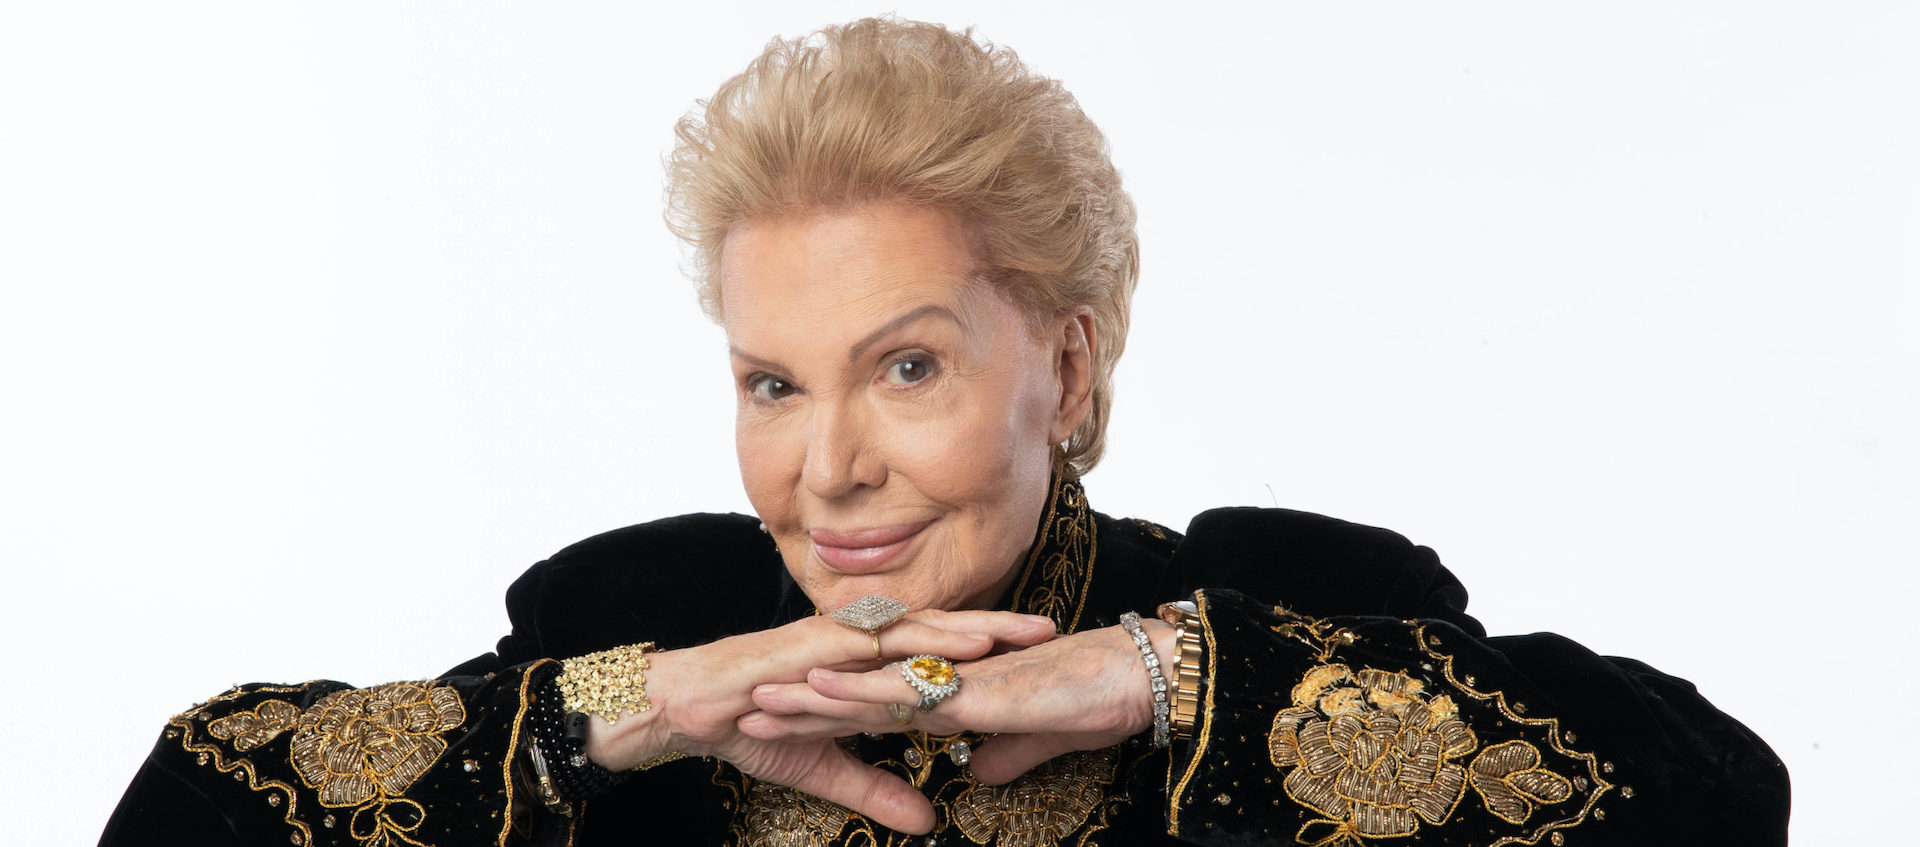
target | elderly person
[{"x": 923, "y": 261}]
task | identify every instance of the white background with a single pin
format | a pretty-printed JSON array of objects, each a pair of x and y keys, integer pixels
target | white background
[{"x": 323, "y": 321}]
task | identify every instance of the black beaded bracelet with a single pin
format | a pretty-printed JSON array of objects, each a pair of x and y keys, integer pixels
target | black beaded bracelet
[{"x": 560, "y": 739}]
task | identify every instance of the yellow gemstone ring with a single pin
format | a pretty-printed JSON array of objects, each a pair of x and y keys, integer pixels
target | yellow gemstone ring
[{"x": 933, "y": 677}]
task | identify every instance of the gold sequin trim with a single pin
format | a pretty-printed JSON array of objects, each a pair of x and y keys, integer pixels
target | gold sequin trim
[{"x": 611, "y": 683}]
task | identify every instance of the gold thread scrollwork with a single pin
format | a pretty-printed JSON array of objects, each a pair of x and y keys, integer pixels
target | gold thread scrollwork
[
  {"x": 185, "y": 724},
  {"x": 1055, "y": 579},
  {"x": 1042, "y": 807},
  {"x": 1319, "y": 636},
  {"x": 1513, "y": 782}
]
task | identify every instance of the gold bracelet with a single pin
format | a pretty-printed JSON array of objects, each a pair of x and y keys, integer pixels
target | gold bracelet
[
  {"x": 610, "y": 683},
  {"x": 1185, "y": 617}
]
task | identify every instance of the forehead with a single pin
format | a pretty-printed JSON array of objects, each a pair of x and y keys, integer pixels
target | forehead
[{"x": 831, "y": 272}]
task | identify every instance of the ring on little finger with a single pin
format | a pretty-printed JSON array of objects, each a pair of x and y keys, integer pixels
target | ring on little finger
[{"x": 932, "y": 676}]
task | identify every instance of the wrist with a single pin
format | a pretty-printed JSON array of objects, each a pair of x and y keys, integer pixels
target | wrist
[{"x": 637, "y": 738}]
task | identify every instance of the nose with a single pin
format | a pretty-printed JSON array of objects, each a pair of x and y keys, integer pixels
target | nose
[{"x": 841, "y": 454}]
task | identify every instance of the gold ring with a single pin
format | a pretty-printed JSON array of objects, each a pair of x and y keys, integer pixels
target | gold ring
[
  {"x": 876, "y": 643},
  {"x": 902, "y": 715}
]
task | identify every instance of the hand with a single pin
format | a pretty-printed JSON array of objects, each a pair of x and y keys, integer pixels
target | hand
[
  {"x": 1081, "y": 692},
  {"x": 699, "y": 694}
]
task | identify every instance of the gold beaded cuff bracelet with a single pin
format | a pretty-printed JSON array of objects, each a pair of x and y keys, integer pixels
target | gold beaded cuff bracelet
[{"x": 610, "y": 683}]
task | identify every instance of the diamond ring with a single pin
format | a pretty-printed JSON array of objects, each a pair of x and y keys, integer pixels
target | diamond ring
[
  {"x": 869, "y": 614},
  {"x": 933, "y": 677}
]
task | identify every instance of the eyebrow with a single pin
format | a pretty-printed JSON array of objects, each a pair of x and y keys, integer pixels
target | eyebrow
[{"x": 872, "y": 338}]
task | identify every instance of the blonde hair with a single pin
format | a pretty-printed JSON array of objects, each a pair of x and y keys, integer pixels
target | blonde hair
[{"x": 885, "y": 109}]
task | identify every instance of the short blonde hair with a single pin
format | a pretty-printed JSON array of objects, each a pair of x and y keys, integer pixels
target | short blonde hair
[{"x": 885, "y": 109}]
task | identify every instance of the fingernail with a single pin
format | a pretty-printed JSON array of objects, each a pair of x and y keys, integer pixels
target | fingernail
[
  {"x": 766, "y": 690},
  {"x": 1040, "y": 619}
]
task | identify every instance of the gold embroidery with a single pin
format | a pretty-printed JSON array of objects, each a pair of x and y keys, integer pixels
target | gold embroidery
[
  {"x": 778, "y": 816},
  {"x": 1370, "y": 752},
  {"x": 258, "y": 726},
  {"x": 363, "y": 743},
  {"x": 214, "y": 753},
  {"x": 1319, "y": 636},
  {"x": 1062, "y": 559},
  {"x": 1375, "y": 753},
  {"x": 1042, "y": 807},
  {"x": 1205, "y": 725},
  {"x": 1553, "y": 735},
  {"x": 363, "y": 747},
  {"x": 1509, "y": 780}
]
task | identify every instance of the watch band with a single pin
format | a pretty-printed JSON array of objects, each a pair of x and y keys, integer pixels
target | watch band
[{"x": 1187, "y": 668}]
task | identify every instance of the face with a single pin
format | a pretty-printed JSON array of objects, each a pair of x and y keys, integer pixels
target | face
[{"x": 896, "y": 416}]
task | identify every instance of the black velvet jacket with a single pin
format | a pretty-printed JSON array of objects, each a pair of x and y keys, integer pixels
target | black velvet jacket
[{"x": 1366, "y": 708}]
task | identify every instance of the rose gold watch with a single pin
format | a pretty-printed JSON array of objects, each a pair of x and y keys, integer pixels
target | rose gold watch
[{"x": 1187, "y": 666}]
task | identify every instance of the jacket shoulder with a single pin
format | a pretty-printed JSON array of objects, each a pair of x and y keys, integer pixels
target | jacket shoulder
[
  {"x": 677, "y": 581},
  {"x": 1319, "y": 565}
]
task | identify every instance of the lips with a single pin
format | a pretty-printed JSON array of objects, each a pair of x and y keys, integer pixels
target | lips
[{"x": 863, "y": 550}]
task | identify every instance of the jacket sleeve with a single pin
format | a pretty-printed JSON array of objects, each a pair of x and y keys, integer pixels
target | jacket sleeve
[
  {"x": 324, "y": 763},
  {"x": 1390, "y": 715},
  {"x": 435, "y": 761}
]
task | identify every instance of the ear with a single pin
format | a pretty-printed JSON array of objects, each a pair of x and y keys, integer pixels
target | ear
[{"x": 1073, "y": 365}]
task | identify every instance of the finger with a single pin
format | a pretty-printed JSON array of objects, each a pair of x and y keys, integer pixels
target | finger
[
  {"x": 770, "y": 727},
  {"x": 885, "y": 685},
  {"x": 1004, "y": 627},
  {"x": 887, "y": 799},
  {"x": 800, "y": 699},
  {"x": 1009, "y": 756},
  {"x": 911, "y": 638}
]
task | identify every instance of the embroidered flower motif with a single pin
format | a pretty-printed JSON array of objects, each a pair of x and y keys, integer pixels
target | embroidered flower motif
[
  {"x": 1042, "y": 807},
  {"x": 1370, "y": 751},
  {"x": 1509, "y": 780},
  {"x": 778, "y": 816},
  {"x": 257, "y": 726},
  {"x": 372, "y": 743}
]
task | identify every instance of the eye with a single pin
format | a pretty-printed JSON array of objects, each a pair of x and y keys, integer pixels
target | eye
[
  {"x": 908, "y": 371},
  {"x": 770, "y": 389}
]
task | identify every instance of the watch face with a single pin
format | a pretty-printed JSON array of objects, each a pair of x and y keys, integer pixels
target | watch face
[{"x": 1178, "y": 611}]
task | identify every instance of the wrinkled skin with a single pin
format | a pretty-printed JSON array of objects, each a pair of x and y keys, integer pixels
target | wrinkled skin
[{"x": 896, "y": 427}]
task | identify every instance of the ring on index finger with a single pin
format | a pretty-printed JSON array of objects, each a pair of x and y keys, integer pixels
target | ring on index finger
[{"x": 869, "y": 614}]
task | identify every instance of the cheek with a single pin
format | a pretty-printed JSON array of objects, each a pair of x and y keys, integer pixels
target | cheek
[{"x": 769, "y": 469}]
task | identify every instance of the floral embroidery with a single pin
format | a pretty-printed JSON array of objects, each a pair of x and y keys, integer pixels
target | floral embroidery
[
  {"x": 1371, "y": 753},
  {"x": 1376, "y": 755},
  {"x": 364, "y": 747},
  {"x": 1041, "y": 808},
  {"x": 1509, "y": 780},
  {"x": 258, "y": 726},
  {"x": 778, "y": 816}
]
